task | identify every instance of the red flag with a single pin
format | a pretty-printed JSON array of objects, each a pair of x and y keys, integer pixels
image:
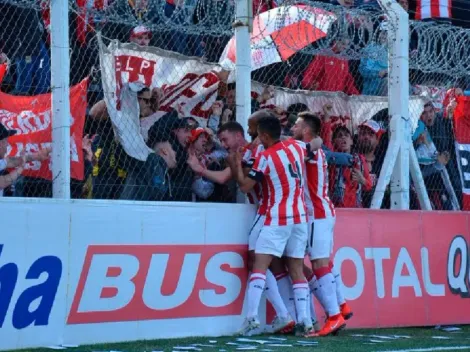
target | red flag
[
  {"x": 31, "y": 117},
  {"x": 3, "y": 71},
  {"x": 461, "y": 119}
]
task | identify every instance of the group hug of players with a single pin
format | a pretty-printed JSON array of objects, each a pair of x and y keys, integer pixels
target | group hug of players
[{"x": 288, "y": 179}]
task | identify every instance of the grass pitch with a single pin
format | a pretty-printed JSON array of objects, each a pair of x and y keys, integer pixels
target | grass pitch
[{"x": 402, "y": 340}]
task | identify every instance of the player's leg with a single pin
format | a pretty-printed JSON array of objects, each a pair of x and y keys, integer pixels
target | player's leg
[
  {"x": 283, "y": 322},
  {"x": 295, "y": 252},
  {"x": 344, "y": 307},
  {"x": 270, "y": 243},
  {"x": 308, "y": 272},
  {"x": 271, "y": 287},
  {"x": 323, "y": 283}
]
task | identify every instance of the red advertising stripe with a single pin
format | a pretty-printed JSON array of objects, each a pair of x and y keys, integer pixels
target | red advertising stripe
[
  {"x": 403, "y": 268},
  {"x": 404, "y": 259},
  {"x": 147, "y": 282}
]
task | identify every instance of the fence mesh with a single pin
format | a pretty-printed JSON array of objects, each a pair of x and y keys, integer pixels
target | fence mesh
[{"x": 152, "y": 71}]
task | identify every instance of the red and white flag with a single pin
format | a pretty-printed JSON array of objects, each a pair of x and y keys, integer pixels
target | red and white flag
[{"x": 31, "y": 117}]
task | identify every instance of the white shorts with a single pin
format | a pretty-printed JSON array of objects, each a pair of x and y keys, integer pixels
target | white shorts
[
  {"x": 320, "y": 238},
  {"x": 288, "y": 240},
  {"x": 258, "y": 224}
]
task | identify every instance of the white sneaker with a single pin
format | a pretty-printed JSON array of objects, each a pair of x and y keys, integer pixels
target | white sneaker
[
  {"x": 249, "y": 327},
  {"x": 282, "y": 325}
]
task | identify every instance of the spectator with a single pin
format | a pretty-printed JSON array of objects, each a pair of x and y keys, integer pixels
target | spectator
[
  {"x": 330, "y": 73},
  {"x": 177, "y": 132},
  {"x": 374, "y": 65},
  {"x": 348, "y": 183},
  {"x": 25, "y": 46},
  {"x": 179, "y": 14},
  {"x": 18, "y": 163},
  {"x": 110, "y": 171},
  {"x": 368, "y": 144},
  {"x": 214, "y": 16},
  {"x": 211, "y": 156},
  {"x": 229, "y": 111},
  {"x": 141, "y": 35},
  {"x": 433, "y": 163},
  {"x": 219, "y": 116},
  {"x": 150, "y": 180}
]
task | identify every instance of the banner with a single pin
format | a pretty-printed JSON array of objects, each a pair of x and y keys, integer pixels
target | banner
[
  {"x": 461, "y": 127},
  {"x": 31, "y": 117},
  {"x": 190, "y": 86},
  {"x": 183, "y": 80}
]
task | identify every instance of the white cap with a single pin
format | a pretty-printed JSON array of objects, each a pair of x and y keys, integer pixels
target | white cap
[{"x": 140, "y": 30}]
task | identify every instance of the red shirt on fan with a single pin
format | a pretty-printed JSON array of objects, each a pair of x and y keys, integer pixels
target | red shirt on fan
[
  {"x": 318, "y": 203},
  {"x": 330, "y": 74},
  {"x": 281, "y": 169},
  {"x": 250, "y": 153}
]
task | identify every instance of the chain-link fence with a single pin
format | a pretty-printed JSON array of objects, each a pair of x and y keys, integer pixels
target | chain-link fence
[{"x": 154, "y": 71}]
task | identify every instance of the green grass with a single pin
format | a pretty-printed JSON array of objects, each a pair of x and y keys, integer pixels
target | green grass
[{"x": 346, "y": 341}]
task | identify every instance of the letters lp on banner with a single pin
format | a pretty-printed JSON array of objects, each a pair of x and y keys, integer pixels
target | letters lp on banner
[
  {"x": 184, "y": 81},
  {"x": 31, "y": 117}
]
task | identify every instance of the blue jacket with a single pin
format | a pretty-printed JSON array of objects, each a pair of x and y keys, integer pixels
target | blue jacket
[{"x": 376, "y": 60}]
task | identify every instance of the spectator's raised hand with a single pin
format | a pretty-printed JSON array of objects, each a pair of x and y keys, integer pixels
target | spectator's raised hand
[
  {"x": 267, "y": 94},
  {"x": 227, "y": 115},
  {"x": 358, "y": 176},
  {"x": 86, "y": 146},
  {"x": 15, "y": 161},
  {"x": 443, "y": 158},
  {"x": 43, "y": 154},
  {"x": 217, "y": 108},
  {"x": 195, "y": 164},
  {"x": 165, "y": 150}
]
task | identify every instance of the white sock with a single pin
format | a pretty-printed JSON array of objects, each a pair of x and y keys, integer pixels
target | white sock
[
  {"x": 325, "y": 288},
  {"x": 339, "y": 285},
  {"x": 273, "y": 295},
  {"x": 313, "y": 314},
  {"x": 301, "y": 299},
  {"x": 285, "y": 290},
  {"x": 255, "y": 290}
]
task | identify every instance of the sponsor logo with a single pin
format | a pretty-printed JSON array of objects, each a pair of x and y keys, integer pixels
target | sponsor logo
[
  {"x": 458, "y": 267},
  {"x": 34, "y": 292},
  {"x": 146, "y": 282}
]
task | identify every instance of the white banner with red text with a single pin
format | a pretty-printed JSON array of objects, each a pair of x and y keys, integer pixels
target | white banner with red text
[
  {"x": 87, "y": 272},
  {"x": 191, "y": 86}
]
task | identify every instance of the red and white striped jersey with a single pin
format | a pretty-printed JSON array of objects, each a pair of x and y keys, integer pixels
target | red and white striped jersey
[
  {"x": 318, "y": 203},
  {"x": 281, "y": 171},
  {"x": 250, "y": 153},
  {"x": 433, "y": 9}
]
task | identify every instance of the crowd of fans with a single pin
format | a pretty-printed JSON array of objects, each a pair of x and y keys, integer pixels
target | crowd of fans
[{"x": 171, "y": 173}]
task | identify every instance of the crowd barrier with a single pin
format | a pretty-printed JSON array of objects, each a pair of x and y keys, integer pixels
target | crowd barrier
[{"x": 83, "y": 272}]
